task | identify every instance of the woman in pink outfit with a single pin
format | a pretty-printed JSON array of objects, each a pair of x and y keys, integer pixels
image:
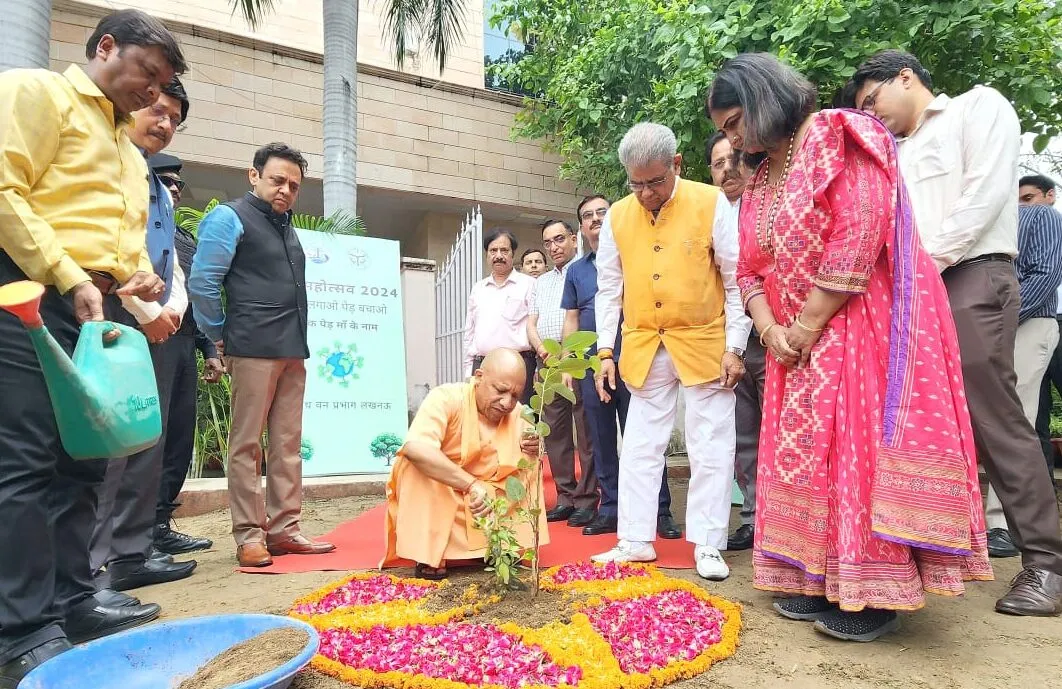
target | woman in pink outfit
[{"x": 867, "y": 493}]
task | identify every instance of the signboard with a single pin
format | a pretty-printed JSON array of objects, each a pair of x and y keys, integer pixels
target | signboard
[{"x": 355, "y": 413}]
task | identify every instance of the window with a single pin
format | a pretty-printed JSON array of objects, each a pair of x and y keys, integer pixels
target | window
[{"x": 499, "y": 46}]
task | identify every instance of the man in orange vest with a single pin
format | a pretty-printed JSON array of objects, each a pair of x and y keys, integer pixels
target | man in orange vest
[{"x": 667, "y": 257}]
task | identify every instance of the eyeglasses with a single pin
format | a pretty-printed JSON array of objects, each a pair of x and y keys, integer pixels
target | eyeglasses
[
  {"x": 558, "y": 240},
  {"x": 590, "y": 215},
  {"x": 651, "y": 184},
  {"x": 872, "y": 98},
  {"x": 158, "y": 111},
  {"x": 172, "y": 182}
]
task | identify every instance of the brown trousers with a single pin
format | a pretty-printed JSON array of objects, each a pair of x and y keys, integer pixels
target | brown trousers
[
  {"x": 266, "y": 394},
  {"x": 984, "y": 302},
  {"x": 560, "y": 447}
]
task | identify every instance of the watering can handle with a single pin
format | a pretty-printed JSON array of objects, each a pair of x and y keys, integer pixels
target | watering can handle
[{"x": 110, "y": 335}]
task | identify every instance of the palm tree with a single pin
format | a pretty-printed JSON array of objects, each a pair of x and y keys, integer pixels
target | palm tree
[
  {"x": 438, "y": 22},
  {"x": 26, "y": 27}
]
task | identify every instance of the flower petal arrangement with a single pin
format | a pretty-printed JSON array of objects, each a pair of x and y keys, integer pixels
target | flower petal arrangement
[{"x": 634, "y": 628}]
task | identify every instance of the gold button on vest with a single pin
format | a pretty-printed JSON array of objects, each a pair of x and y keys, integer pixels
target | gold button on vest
[{"x": 672, "y": 295}]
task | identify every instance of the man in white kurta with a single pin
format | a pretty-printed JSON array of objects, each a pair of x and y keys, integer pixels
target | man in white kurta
[{"x": 668, "y": 258}]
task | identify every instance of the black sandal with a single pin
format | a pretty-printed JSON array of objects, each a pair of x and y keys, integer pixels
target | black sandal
[
  {"x": 866, "y": 625},
  {"x": 804, "y": 608},
  {"x": 423, "y": 571}
]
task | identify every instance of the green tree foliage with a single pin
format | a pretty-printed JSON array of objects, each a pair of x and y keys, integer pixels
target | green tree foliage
[{"x": 603, "y": 65}]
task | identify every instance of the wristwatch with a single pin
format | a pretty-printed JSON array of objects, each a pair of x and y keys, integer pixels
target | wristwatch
[{"x": 736, "y": 350}]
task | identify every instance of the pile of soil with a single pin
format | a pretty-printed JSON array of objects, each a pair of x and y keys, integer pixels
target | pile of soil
[
  {"x": 249, "y": 659},
  {"x": 515, "y": 606}
]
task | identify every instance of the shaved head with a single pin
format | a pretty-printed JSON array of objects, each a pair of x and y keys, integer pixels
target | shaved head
[{"x": 500, "y": 382}]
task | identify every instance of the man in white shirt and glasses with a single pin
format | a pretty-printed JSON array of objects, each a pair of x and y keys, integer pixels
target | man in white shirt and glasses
[
  {"x": 576, "y": 499},
  {"x": 959, "y": 158}
]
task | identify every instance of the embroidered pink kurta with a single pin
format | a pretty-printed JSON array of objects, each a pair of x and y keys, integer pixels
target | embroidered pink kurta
[{"x": 867, "y": 487}]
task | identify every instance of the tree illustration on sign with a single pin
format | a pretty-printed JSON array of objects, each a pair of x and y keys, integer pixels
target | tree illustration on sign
[{"x": 385, "y": 446}]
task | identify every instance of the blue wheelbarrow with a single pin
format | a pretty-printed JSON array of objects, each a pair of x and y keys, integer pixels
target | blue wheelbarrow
[{"x": 160, "y": 656}]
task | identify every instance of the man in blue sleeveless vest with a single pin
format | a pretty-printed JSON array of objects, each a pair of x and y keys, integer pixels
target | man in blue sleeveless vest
[
  {"x": 249, "y": 247},
  {"x": 121, "y": 549}
]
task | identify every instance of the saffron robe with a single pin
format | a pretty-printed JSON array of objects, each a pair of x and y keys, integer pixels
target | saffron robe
[{"x": 428, "y": 521}]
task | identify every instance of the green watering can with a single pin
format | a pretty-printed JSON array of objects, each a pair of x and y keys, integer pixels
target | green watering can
[{"x": 105, "y": 399}]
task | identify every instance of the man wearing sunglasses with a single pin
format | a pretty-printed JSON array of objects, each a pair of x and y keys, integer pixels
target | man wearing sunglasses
[
  {"x": 180, "y": 427},
  {"x": 122, "y": 553},
  {"x": 959, "y": 158}
]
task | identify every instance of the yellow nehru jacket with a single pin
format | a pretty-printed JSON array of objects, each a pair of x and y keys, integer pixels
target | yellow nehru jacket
[{"x": 672, "y": 290}]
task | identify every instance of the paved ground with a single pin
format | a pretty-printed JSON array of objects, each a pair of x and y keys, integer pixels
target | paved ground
[{"x": 953, "y": 643}]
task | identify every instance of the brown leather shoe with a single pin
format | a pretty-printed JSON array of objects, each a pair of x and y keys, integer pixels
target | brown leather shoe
[
  {"x": 253, "y": 555},
  {"x": 1033, "y": 592},
  {"x": 300, "y": 545}
]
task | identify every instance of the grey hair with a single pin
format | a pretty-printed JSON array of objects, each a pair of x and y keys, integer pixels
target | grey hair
[
  {"x": 646, "y": 143},
  {"x": 774, "y": 97}
]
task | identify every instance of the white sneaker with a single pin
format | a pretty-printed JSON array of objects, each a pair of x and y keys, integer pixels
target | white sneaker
[
  {"x": 628, "y": 551},
  {"x": 710, "y": 564}
]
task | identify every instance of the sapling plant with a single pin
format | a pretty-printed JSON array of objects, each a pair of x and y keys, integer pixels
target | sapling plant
[{"x": 505, "y": 557}]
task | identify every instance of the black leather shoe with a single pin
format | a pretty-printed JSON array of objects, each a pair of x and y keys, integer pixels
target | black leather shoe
[
  {"x": 12, "y": 673},
  {"x": 115, "y": 599},
  {"x": 667, "y": 528},
  {"x": 581, "y": 517},
  {"x": 600, "y": 525},
  {"x": 742, "y": 538},
  {"x": 125, "y": 576},
  {"x": 559, "y": 513},
  {"x": 90, "y": 620},
  {"x": 1000, "y": 545},
  {"x": 157, "y": 554},
  {"x": 175, "y": 543}
]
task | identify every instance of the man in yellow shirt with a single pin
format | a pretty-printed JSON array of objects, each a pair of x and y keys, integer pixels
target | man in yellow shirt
[
  {"x": 73, "y": 213},
  {"x": 667, "y": 256}
]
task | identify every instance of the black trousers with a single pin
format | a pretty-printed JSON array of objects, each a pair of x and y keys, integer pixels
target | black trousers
[
  {"x": 47, "y": 500},
  {"x": 127, "y": 500},
  {"x": 1053, "y": 378},
  {"x": 180, "y": 429}
]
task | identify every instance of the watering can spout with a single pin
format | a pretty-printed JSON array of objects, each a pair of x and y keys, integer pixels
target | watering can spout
[
  {"x": 105, "y": 398},
  {"x": 23, "y": 299}
]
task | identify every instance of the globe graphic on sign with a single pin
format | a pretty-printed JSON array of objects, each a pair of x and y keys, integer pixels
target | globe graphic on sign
[{"x": 341, "y": 364}]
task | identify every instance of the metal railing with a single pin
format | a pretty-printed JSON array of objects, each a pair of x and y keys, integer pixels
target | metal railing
[{"x": 463, "y": 269}]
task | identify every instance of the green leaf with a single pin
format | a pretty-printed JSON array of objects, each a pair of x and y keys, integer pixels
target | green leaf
[
  {"x": 567, "y": 394},
  {"x": 548, "y": 395},
  {"x": 580, "y": 341},
  {"x": 543, "y": 429},
  {"x": 553, "y": 347},
  {"x": 536, "y": 401},
  {"x": 514, "y": 489},
  {"x": 1040, "y": 142},
  {"x": 504, "y": 573},
  {"x": 573, "y": 366}
]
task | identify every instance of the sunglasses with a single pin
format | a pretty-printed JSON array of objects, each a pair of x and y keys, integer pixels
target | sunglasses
[{"x": 172, "y": 182}]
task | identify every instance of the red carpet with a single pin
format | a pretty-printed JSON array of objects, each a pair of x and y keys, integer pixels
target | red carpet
[{"x": 360, "y": 545}]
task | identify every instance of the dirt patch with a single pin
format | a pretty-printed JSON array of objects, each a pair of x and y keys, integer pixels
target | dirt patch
[
  {"x": 249, "y": 659},
  {"x": 515, "y": 606}
]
